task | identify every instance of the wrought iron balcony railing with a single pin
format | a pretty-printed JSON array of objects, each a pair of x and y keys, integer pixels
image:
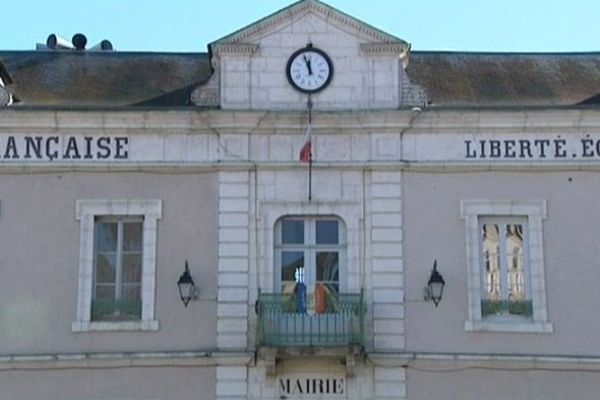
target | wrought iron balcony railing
[{"x": 337, "y": 322}]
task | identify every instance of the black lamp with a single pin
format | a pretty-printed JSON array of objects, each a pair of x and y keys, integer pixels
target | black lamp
[
  {"x": 186, "y": 285},
  {"x": 435, "y": 286}
]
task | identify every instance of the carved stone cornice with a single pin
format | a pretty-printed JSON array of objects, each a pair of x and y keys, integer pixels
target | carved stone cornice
[
  {"x": 242, "y": 49},
  {"x": 314, "y": 6},
  {"x": 382, "y": 48}
]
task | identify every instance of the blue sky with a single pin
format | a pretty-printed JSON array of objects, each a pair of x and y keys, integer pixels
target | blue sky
[{"x": 189, "y": 25}]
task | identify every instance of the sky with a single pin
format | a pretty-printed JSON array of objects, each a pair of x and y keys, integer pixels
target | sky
[{"x": 189, "y": 25}]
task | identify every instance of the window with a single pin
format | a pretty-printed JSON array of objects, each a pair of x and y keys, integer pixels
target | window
[
  {"x": 504, "y": 272},
  {"x": 118, "y": 258},
  {"x": 505, "y": 265},
  {"x": 117, "y": 264},
  {"x": 325, "y": 237},
  {"x": 308, "y": 255}
]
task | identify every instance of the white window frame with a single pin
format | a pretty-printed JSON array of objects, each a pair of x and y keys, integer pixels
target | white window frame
[
  {"x": 310, "y": 248},
  {"x": 86, "y": 212},
  {"x": 472, "y": 211}
]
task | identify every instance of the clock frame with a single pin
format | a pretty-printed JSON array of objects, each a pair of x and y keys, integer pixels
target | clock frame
[{"x": 300, "y": 72}]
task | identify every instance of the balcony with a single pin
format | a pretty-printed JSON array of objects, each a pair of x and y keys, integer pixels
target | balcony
[{"x": 337, "y": 321}]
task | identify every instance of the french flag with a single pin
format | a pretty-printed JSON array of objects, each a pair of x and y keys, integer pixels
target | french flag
[{"x": 306, "y": 150}]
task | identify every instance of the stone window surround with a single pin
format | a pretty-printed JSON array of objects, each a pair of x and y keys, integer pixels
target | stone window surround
[
  {"x": 349, "y": 213},
  {"x": 86, "y": 211},
  {"x": 535, "y": 212}
]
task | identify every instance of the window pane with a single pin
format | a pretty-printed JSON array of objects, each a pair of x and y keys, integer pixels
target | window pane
[
  {"x": 132, "y": 268},
  {"x": 105, "y": 292},
  {"x": 132, "y": 236},
  {"x": 491, "y": 259},
  {"x": 106, "y": 268},
  {"x": 327, "y": 232},
  {"x": 328, "y": 266},
  {"x": 127, "y": 308},
  {"x": 106, "y": 236},
  {"x": 292, "y": 231},
  {"x": 331, "y": 289},
  {"x": 292, "y": 266},
  {"x": 514, "y": 262},
  {"x": 131, "y": 293}
]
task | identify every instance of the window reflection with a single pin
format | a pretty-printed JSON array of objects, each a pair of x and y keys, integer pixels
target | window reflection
[
  {"x": 491, "y": 256},
  {"x": 327, "y": 232},
  {"x": 292, "y": 270},
  {"x": 328, "y": 270},
  {"x": 504, "y": 275},
  {"x": 292, "y": 231},
  {"x": 310, "y": 254},
  {"x": 117, "y": 270},
  {"x": 514, "y": 261}
]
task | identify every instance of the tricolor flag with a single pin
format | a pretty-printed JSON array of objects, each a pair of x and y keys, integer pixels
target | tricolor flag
[{"x": 306, "y": 150}]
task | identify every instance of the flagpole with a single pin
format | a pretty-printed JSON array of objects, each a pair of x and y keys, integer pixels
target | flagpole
[{"x": 309, "y": 104}]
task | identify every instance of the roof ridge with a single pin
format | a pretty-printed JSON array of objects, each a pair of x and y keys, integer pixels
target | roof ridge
[{"x": 506, "y": 53}]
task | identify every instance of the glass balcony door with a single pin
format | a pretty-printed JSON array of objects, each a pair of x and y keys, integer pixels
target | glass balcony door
[{"x": 308, "y": 261}]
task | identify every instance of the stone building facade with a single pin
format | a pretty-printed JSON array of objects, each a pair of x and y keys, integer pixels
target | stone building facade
[{"x": 309, "y": 276}]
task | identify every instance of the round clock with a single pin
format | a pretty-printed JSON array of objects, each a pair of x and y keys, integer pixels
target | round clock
[{"x": 309, "y": 70}]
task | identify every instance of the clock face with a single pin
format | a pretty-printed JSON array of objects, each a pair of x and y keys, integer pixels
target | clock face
[{"x": 309, "y": 70}]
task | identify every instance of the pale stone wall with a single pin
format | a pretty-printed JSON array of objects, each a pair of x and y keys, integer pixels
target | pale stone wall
[
  {"x": 257, "y": 80},
  {"x": 131, "y": 383},
  {"x": 369, "y": 382},
  {"x": 433, "y": 229},
  {"x": 233, "y": 265},
  {"x": 40, "y": 246},
  {"x": 387, "y": 272},
  {"x": 226, "y": 177},
  {"x": 498, "y": 384}
]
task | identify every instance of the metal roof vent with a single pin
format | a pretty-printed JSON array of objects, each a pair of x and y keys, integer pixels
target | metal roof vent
[
  {"x": 104, "y": 45},
  {"x": 56, "y": 42},
  {"x": 79, "y": 41}
]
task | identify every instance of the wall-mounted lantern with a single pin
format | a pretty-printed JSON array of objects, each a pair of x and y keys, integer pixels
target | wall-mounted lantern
[
  {"x": 435, "y": 286},
  {"x": 186, "y": 285}
]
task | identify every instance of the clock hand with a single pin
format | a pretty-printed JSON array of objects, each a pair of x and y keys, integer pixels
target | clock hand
[{"x": 308, "y": 66}]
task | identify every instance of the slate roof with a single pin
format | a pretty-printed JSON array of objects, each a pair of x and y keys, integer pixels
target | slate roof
[
  {"x": 460, "y": 79},
  {"x": 451, "y": 79},
  {"x": 104, "y": 79}
]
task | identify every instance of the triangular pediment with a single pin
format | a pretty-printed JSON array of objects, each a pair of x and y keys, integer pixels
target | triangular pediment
[
  {"x": 253, "y": 66},
  {"x": 282, "y": 18}
]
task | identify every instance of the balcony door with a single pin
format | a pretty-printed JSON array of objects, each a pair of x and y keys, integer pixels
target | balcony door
[{"x": 309, "y": 260}]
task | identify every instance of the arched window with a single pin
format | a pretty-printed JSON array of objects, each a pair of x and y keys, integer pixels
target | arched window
[{"x": 310, "y": 258}]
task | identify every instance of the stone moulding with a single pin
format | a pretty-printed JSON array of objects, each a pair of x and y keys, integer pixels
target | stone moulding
[
  {"x": 208, "y": 359},
  {"x": 448, "y": 362},
  {"x": 132, "y": 360},
  {"x": 245, "y": 49},
  {"x": 307, "y": 6},
  {"x": 398, "y": 49}
]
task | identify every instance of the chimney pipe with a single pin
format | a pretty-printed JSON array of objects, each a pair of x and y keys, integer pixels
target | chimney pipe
[
  {"x": 79, "y": 41},
  {"x": 56, "y": 42},
  {"x": 104, "y": 45}
]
